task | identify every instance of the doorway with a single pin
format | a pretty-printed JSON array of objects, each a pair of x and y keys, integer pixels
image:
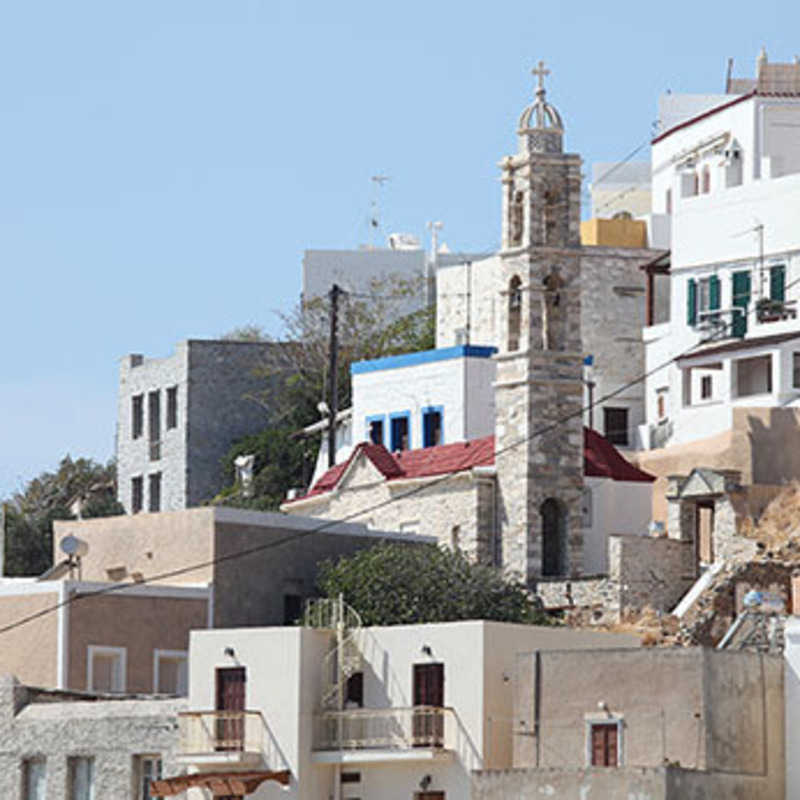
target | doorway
[
  {"x": 231, "y": 685},
  {"x": 428, "y": 721}
]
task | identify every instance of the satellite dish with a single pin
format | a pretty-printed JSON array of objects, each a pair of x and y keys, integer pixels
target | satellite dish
[{"x": 73, "y": 546}]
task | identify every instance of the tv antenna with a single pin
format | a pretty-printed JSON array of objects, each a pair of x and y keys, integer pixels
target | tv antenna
[{"x": 375, "y": 206}]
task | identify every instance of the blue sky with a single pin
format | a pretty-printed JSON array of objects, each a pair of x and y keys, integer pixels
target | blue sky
[{"x": 164, "y": 163}]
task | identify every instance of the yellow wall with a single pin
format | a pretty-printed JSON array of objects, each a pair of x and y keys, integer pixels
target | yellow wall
[{"x": 614, "y": 232}]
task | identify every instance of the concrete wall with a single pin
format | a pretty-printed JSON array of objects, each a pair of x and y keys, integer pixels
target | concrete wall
[
  {"x": 141, "y": 624},
  {"x": 113, "y": 733},
  {"x": 31, "y": 650},
  {"x": 705, "y": 710}
]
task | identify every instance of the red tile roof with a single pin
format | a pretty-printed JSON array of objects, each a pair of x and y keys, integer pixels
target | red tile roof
[{"x": 600, "y": 459}]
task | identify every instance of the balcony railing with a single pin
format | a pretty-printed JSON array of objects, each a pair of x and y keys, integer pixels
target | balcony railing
[
  {"x": 385, "y": 728},
  {"x": 206, "y": 732}
]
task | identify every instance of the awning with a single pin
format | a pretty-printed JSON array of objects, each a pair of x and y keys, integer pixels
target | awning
[{"x": 219, "y": 783}]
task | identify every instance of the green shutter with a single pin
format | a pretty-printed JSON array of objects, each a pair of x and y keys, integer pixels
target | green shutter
[
  {"x": 741, "y": 299},
  {"x": 691, "y": 303},
  {"x": 777, "y": 283},
  {"x": 713, "y": 293}
]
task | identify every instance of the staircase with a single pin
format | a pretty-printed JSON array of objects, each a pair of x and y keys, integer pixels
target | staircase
[{"x": 345, "y": 658}]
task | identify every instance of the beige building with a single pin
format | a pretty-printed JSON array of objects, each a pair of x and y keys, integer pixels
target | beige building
[
  {"x": 409, "y": 712},
  {"x": 665, "y": 724}
]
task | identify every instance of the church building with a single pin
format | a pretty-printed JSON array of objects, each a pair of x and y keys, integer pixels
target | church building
[{"x": 482, "y": 442}]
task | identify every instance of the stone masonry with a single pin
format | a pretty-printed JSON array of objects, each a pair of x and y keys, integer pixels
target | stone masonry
[
  {"x": 52, "y": 728},
  {"x": 538, "y": 391},
  {"x": 212, "y": 383}
]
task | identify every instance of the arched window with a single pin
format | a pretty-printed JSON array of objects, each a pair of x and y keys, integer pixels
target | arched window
[
  {"x": 706, "y": 180},
  {"x": 554, "y": 538},
  {"x": 514, "y": 312}
]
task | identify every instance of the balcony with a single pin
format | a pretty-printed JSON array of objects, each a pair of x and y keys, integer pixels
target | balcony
[
  {"x": 214, "y": 738},
  {"x": 418, "y": 733}
]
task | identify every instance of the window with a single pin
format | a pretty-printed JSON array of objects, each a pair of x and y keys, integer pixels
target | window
[
  {"x": 615, "y": 425},
  {"x": 81, "y": 778},
  {"x": 351, "y": 777},
  {"x": 137, "y": 494},
  {"x": 703, "y": 296},
  {"x": 399, "y": 432},
  {"x": 706, "y": 187},
  {"x": 705, "y": 387},
  {"x": 154, "y": 493},
  {"x": 354, "y": 691},
  {"x": 154, "y": 424},
  {"x": 35, "y": 778},
  {"x": 753, "y": 376},
  {"x": 777, "y": 283},
  {"x": 514, "y": 312},
  {"x": 741, "y": 300},
  {"x": 796, "y": 370},
  {"x": 661, "y": 406},
  {"x": 292, "y": 608},
  {"x": 668, "y": 201},
  {"x": 172, "y": 407},
  {"x": 137, "y": 416},
  {"x": 431, "y": 427},
  {"x": 146, "y": 769},
  {"x": 106, "y": 668},
  {"x": 171, "y": 672},
  {"x": 604, "y": 745},
  {"x": 375, "y": 429},
  {"x": 455, "y": 537}
]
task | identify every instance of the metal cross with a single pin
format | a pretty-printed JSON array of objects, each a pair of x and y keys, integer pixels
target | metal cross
[{"x": 540, "y": 73}]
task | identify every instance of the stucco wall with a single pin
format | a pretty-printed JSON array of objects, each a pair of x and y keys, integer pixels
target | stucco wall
[
  {"x": 31, "y": 650},
  {"x": 111, "y": 732},
  {"x": 706, "y": 710},
  {"x": 151, "y": 544},
  {"x": 140, "y": 623}
]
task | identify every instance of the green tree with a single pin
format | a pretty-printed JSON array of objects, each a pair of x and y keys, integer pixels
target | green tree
[
  {"x": 395, "y": 584},
  {"x": 30, "y": 513}
]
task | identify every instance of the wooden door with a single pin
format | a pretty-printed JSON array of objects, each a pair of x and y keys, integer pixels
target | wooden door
[
  {"x": 604, "y": 745},
  {"x": 428, "y": 723},
  {"x": 231, "y": 685}
]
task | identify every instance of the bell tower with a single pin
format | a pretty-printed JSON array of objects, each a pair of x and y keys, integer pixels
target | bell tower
[{"x": 538, "y": 392}]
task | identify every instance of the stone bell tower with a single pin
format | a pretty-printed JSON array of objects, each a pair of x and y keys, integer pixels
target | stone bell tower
[{"x": 538, "y": 392}]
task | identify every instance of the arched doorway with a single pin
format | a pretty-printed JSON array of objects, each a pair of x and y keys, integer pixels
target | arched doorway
[{"x": 554, "y": 538}]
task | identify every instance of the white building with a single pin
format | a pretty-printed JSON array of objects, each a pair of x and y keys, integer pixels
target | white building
[
  {"x": 729, "y": 179},
  {"x": 415, "y": 711}
]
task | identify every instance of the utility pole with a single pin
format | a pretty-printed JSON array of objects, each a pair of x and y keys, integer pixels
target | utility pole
[{"x": 333, "y": 366}]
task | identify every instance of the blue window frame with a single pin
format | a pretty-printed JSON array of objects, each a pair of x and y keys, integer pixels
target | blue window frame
[
  {"x": 375, "y": 429},
  {"x": 432, "y": 426},
  {"x": 400, "y": 431}
]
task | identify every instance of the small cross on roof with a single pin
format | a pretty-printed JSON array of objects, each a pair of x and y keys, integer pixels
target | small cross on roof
[{"x": 540, "y": 72}]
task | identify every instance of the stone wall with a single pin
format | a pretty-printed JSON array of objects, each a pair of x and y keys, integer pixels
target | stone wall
[
  {"x": 214, "y": 381},
  {"x": 111, "y": 732}
]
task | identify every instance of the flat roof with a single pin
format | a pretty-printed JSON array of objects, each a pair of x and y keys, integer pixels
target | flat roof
[{"x": 422, "y": 357}]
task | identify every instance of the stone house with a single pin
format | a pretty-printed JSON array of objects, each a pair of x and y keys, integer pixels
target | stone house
[
  {"x": 179, "y": 415},
  {"x": 62, "y": 744},
  {"x": 658, "y": 723}
]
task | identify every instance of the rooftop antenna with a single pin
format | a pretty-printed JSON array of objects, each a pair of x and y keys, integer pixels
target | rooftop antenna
[{"x": 375, "y": 207}]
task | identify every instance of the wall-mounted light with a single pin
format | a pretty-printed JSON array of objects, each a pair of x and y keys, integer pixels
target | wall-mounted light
[
  {"x": 229, "y": 651},
  {"x": 425, "y": 782},
  {"x": 426, "y": 649}
]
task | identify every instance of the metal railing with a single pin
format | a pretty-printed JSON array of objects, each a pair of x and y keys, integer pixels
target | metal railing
[
  {"x": 384, "y": 728},
  {"x": 204, "y": 732}
]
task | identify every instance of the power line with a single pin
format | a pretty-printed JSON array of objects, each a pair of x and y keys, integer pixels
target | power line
[{"x": 121, "y": 587}]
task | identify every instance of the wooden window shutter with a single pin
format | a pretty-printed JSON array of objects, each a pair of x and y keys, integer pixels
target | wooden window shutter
[
  {"x": 741, "y": 299},
  {"x": 777, "y": 283},
  {"x": 714, "y": 293},
  {"x": 691, "y": 302}
]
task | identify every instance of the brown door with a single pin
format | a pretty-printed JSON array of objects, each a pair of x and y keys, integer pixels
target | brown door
[
  {"x": 231, "y": 683},
  {"x": 604, "y": 745},
  {"x": 428, "y": 724}
]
